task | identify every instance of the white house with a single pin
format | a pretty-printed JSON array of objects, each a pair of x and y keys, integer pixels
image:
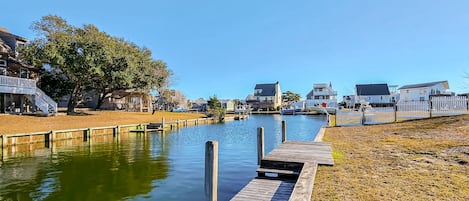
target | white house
[
  {"x": 423, "y": 91},
  {"x": 322, "y": 93}
]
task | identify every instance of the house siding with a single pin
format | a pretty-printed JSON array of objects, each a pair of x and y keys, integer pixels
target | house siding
[{"x": 422, "y": 93}]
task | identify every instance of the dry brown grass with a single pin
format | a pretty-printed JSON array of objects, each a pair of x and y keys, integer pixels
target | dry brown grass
[
  {"x": 414, "y": 160},
  {"x": 10, "y": 124}
]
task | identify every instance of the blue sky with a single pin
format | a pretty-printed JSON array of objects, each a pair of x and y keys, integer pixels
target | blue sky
[{"x": 226, "y": 47}]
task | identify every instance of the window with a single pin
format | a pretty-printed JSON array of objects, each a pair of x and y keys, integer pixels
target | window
[
  {"x": 24, "y": 73},
  {"x": 257, "y": 91},
  {"x": 3, "y": 62},
  {"x": 3, "y": 71}
]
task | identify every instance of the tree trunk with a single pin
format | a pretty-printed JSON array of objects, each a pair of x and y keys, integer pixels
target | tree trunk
[
  {"x": 101, "y": 97},
  {"x": 73, "y": 101}
]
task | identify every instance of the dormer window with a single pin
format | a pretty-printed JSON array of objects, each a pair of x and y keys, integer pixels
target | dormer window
[
  {"x": 258, "y": 91},
  {"x": 3, "y": 62},
  {"x": 19, "y": 44}
]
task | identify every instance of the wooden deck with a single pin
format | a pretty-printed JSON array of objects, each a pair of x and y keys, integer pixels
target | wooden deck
[
  {"x": 289, "y": 157},
  {"x": 302, "y": 152},
  {"x": 265, "y": 189}
]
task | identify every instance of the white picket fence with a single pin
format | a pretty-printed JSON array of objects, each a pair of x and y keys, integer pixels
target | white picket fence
[
  {"x": 438, "y": 106},
  {"x": 449, "y": 105}
]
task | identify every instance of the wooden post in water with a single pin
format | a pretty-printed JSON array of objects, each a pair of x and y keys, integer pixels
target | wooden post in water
[
  {"x": 211, "y": 170},
  {"x": 162, "y": 123},
  {"x": 284, "y": 131},
  {"x": 48, "y": 138},
  {"x": 85, "y": 135},
  {"x": 115, "y": 131},
  {"x": 260, "y": 144},
  {"x": 4, "y": 142}
]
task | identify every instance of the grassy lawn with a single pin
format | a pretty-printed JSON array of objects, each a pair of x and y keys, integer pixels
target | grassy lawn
[
  {"x": 10, "y": 124},
  {"x": 413, "y": 160}
]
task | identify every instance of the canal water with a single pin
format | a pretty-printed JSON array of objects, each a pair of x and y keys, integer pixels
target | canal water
[{"x": 147, "y": 167}]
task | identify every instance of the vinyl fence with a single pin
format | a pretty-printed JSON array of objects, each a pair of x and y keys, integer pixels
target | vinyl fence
[{"x": 437, "y": 106}]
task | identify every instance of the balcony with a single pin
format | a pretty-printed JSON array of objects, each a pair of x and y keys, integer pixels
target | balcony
[{"x": 15, "y": 85}]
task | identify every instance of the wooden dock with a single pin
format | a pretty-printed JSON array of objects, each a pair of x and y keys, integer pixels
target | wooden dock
[
  {"x": 266, "y": 189},
  {"x": 302, "y": 152},
  {"x": 295, "y": 165}
]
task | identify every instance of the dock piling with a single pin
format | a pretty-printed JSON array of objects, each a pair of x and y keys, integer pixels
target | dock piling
[
  {"x": 4, "y": 141},
  {"x": 260, "y": 144},
  {"x": 211, "y": 170},
  {"x": 284, "y": 131}
]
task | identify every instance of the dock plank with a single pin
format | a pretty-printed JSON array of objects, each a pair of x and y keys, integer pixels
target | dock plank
[
  {"x": 304, "y": 185},
  {"x": 302, "y": 152},
  {"x": 265, "y": 189},
  {"x": 289, "y": 157}
]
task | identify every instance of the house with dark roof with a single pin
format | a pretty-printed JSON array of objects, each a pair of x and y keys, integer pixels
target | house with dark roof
[
  {"x": 377, "y": 95},
  {"x": 423, "y": 91},
  {"x": 18, "y": 89},
  {"x": 266, "y": 97}
]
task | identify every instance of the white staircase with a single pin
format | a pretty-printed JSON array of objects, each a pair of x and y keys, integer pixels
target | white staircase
[{"x": 44, "y": 102}]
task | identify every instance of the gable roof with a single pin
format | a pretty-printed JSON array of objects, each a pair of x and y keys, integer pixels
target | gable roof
[
  {"x": 266, "y": 89},
  {"x": 372, "y": 89},
  {"x": 428, "y": 84}
]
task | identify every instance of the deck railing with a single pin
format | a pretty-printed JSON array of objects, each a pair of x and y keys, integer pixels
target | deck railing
[{"x": 17, "y": 83}]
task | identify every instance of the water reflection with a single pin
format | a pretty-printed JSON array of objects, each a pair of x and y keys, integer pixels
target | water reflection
[
  {"x": 101, "y": 169},
  {"x": 145, "y": 167}
]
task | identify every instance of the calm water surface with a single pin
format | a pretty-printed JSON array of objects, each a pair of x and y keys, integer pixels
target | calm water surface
[{"x": 152, "y": 167}]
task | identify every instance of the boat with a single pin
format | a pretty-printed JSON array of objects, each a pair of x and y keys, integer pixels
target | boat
[
  {"x": 287, "y": 111},
  {"x": 242, "y": 109},
  {"x": 323, "y": 110}
]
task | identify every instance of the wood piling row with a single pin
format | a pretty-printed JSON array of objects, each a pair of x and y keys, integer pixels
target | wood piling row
[{"x": 48, "y": 137}]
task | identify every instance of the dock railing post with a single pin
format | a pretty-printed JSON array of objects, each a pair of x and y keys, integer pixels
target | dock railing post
[
  {"x": 284, "y": 131},
  {"x": 260, "y": 144},
  {"x": 211, "y": 170}
]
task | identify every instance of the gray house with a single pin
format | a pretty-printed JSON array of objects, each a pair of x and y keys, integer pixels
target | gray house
[
  {"x": 18, "y": 90},
  {"x": 266, "y": 97}
]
